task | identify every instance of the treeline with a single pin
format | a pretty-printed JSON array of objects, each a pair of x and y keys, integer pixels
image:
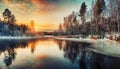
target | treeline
[
  {"x": 103, "y": 17},
  {"x": 8, "y": 26}
]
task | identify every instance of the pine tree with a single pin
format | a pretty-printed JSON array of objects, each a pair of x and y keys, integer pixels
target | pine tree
[{"x": 82, "y": 14}]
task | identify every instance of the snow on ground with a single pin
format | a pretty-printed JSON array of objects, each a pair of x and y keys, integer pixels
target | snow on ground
[
  {"x": 111, "y": 48},
  {"x": 103, "y": 46},
  {"x": 75, "y": 39},
  {"x": 18, "y": 37},
  {"x": 24, "y": 37}
]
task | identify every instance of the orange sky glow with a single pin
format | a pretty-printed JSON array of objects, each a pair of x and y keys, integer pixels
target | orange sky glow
[{"x": 46, "y": 14}]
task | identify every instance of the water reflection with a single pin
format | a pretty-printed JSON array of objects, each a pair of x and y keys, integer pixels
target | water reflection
[
  {"x": 7, "y": 47},
  {"x": 81, "y": 54},
  {"x": 47, "y": 53}
]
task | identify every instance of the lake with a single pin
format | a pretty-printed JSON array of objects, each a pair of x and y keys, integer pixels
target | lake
[{"x": 49, "y": 53}]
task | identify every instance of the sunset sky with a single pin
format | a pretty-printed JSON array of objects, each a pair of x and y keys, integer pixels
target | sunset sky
[{"x": 47, "y": 14}]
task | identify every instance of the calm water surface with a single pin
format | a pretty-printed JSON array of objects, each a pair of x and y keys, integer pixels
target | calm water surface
[{"x": 47, "y": 53}]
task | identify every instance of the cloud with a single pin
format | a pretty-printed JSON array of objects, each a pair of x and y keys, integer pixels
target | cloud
[
  {"x": 37, "y": 6},
  {"x": 16, "y": 5},
  {"x": 44, "y": 6}
]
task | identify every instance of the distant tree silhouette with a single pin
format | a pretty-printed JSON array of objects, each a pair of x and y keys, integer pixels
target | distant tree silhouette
[
  {"x": 7, "y": 15},
  {"x": 83, "y": 9},
  {"x": 32, "y": 26},
  {"x": 82, "y": 14},
  {"x": 23, "y": 28},
  {"x": 12, "y": 19},
  {"x": 60, "y": 29}
]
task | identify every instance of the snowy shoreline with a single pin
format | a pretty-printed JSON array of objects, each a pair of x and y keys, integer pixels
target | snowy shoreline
[
  {"x": 81, "y": 40},
  {"x": 102, "y": 46},
  {"x": 24, "y": 37},
  {"x": 19, "y": 37}
]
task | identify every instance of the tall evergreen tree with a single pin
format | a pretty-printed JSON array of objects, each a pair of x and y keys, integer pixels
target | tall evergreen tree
[
  {"x": 82, "y": 12},
  {"x": 82, "y": 15},
  {"x": 7, "y": 15}
]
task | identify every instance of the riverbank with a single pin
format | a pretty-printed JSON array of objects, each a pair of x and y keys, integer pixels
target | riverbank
[
  {"x": 102, "y": 46},
  {"x": 81, "y": 40},
  {"x": 20, "y": 37}
]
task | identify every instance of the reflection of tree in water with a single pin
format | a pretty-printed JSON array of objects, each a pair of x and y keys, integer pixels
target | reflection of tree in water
[
  {"x": 87, "y": 59},
  {"x": 33, "y": 46},
  {"x": 8, "y": 48},
  {"x": 9, "y": 56},
  {"x": 60, "y": 43},
  {"x": 71, "y": 51}
]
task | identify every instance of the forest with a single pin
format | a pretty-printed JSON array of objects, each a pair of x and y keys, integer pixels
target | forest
[
  {"x": 9, "y": 27},
  {"x": 102, "y": 18}
]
